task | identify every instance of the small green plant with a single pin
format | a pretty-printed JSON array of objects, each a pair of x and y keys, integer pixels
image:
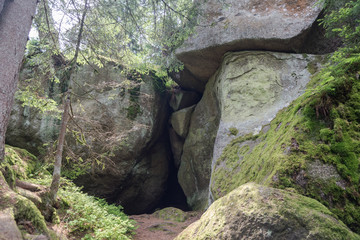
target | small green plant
[{"x": 233, "y": 131}]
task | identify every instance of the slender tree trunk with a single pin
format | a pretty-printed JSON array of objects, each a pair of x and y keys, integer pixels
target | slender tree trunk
[
  {"x": 59, "y": 151},
  {"x": 15, "y": 23},
  {"x": 65, "y": 117}
]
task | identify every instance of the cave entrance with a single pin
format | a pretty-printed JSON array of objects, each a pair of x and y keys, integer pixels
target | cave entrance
[{"x": 174, "y": 195}]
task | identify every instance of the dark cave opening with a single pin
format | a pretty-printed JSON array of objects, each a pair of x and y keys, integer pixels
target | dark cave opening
[{"x": 174, "y": 195}]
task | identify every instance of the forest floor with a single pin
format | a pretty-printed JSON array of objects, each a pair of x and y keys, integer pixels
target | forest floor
[{"x": 151, "y": 227}]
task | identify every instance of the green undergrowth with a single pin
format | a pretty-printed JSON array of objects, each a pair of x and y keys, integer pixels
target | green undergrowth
[
  {"x": 88, "y": 217},
  {"x": 85, "y": 217},
  {"x": 311, "y": 147}
]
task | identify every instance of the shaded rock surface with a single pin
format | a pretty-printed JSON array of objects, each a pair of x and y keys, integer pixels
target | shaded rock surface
[
  {"x": 1, "y": 5},
  {"x": 230, "y": 25},
  {"x": 257, "y": 212},
  {"x": 8, "y": 227},
  {"x": 124, "y": 124},
  {"x": 194, "y": 172},
  {"x": 182, "y": 99},
  {"x": 121, "y": 120},
  {"x": 177, "y": 144},
  {"x": 180, "y": 121},
  {"x": 188, "y": 81}
]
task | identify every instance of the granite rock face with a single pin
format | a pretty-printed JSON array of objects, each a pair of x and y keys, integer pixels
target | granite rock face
[
  {"x": 232, "y": 25},
  {"x": 257, "y": 212},
  {"x": 245, "y": 94},
  {"x": 194, "y": 171},
  {"x": 182, "y": 99},
  {"x": 121, "y": 119},
  {"x": 253, "y": 87}
]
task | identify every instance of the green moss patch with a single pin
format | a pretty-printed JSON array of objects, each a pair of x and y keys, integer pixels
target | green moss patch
[
  {"x": 26, "y": 210},
  {"x": 258, "y": 212},
  {"x": 172, "y": 214},
  {"x": 18, "y": 164},
  {"x": 322, "y": 127}
]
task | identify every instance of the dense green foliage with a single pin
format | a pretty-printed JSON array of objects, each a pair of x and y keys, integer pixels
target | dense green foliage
[
  {"x": 85, "y": 217},
  {"x": 88, "y": 217},
  {"x": 94, "y": 217},
  {"x": 136, "y": 34}
]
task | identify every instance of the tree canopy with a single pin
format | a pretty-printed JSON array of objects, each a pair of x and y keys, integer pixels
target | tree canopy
[{"x": 137, "y": 33}]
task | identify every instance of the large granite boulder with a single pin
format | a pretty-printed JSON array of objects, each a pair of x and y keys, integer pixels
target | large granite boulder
[
  {"x": 257, "y": 212},
  {"x": 244, "y": 95},
  {"x": 232, "y": 25},
  {"x": 121, "y": 120},
  {"x": 310, "y": 145}
]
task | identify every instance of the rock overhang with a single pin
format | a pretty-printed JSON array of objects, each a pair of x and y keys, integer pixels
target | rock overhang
[{"x": 275, "y": 25}]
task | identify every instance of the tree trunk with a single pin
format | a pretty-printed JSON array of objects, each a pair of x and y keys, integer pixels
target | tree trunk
[
  {"x": 15, "y": 23},
  {"x": 59, "y": 151},
  {"x": 65, "y": 117}
]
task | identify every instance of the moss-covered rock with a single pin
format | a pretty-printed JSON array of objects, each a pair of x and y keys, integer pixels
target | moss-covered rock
[
  {"x": 18, "y": 164},
  {"x": 170, "y": 213},
  {"x": 115, "y": 141},
  {"x": 312, "y": 146},
  {"x": 246, "y": 92},
  {"x": 257, "y": 212},
  {"x": 21, "y": 209},
  {"x": 25, "y": 210}
]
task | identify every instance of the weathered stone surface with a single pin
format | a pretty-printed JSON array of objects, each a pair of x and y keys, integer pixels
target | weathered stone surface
[
  {"x": 1, "y": 5},
  {"x": 8, "y": 227},
  {"x": 125, "y": 122},
  {"x": 172, "y": 214},
  {"x": 275, "y": 25},
  {"x": 180, "y": 120},
  {"x": 245, "y": 94},
  {"x": 187, "y": 81},
  {"x": 177, "y": 144},
  {"x": 121, "y": 121},
  {"x": 194, "y": 171},
  {"x": 256, "y": 212},
  {"x": 145, "y": 186},
  {"x": 182, "y": 99},
  {"x": 253, "y": 87},
  {"x": 29, "y": 129},
  {"x": 296, "y": 150}
]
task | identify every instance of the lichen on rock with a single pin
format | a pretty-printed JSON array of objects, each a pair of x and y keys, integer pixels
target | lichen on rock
[
  {"x": 311, "y": 146},
  {"x": 254, "y": 211}
]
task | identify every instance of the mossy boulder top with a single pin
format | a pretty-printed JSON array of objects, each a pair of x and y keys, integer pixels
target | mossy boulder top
[{"x": 254, "y": 211}]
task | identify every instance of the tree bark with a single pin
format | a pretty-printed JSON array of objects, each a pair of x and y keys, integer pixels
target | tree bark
[
  {"x": 15, "y": 22},
  {"x": 55, "y": 183}
]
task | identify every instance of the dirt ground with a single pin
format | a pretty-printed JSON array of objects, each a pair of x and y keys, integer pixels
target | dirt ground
[{"x": 151, "y": 227}]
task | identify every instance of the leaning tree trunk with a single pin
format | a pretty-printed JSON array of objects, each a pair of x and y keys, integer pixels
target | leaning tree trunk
[
  {"x": 15, "y": 23},
  {"x": 65, "y": 118},
  {"x": 59, "y": 151}
]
